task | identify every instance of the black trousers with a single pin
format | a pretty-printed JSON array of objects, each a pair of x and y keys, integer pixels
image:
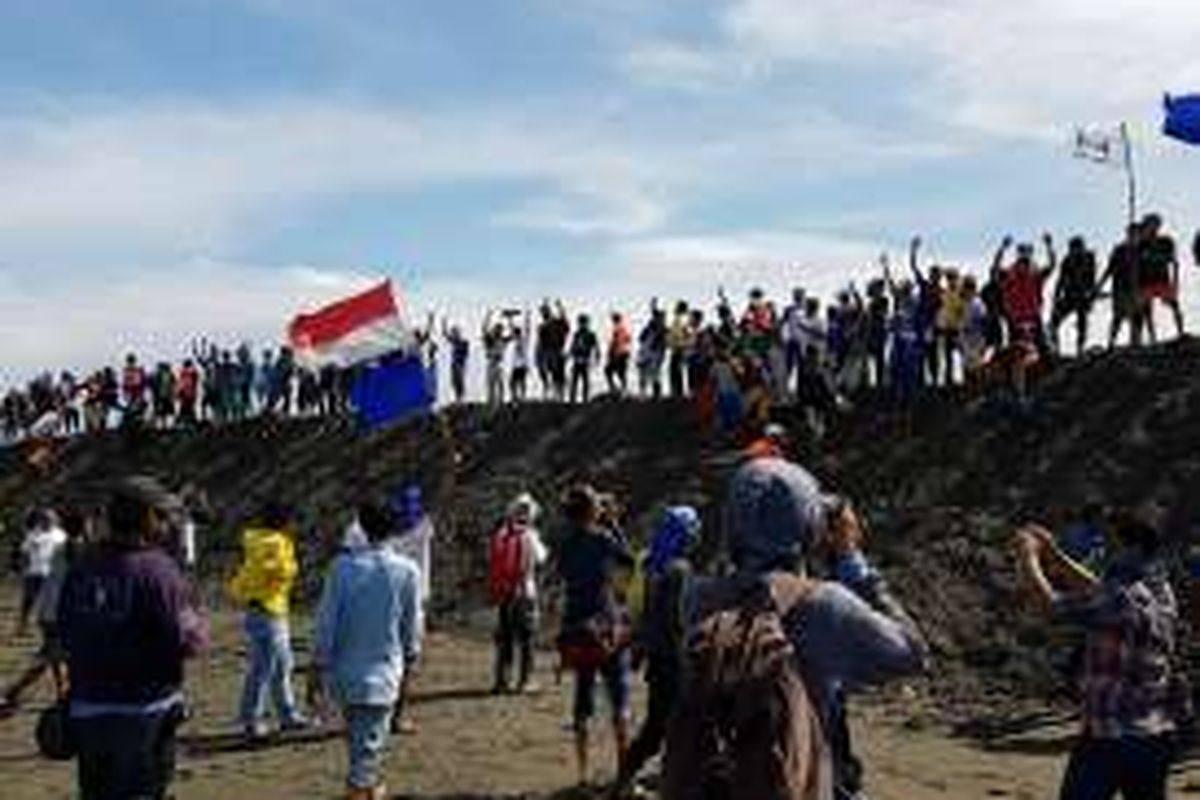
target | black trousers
[
  {"x": 516, "y": 623},
  {"x": 1135, "y": 766},
  {"x": 663, "y": 685},
  {"x": 126, "y": 757}
]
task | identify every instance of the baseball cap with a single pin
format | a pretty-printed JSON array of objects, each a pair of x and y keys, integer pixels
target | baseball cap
[{"x": 149, "y": 491}]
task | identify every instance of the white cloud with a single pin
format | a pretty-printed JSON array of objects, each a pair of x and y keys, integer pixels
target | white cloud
[
  {"x": 678, "y": 66},
  {"x": 90, "y": 320},
  {"x": 608, "y": 205},
  {"x": 1021, "y": 68},
  {"x": 195, "y": 177}
]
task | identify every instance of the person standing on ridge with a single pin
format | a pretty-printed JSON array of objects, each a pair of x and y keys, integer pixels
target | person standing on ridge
[
  {"x": 495, "y": 342},
  {"x": 679, "y": 344},
  {"x": 652, "y": 352},
  {"x": 620, "y": 345},
  {"x": 1075, "y": 292},
  {"x": 585, "y": 354},
  {"x": 553, "y": 334},
  {"x": 518, "y": 381},
  {"x": 1123, "y": 271},
  {"x": 1021, "y": 287},
  {"x": 929, "y": 298},
  {"x": 1158, "y": 274},
  {"x": 460, "y": 350}
]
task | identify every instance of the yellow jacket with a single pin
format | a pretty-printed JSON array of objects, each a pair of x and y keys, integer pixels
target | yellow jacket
[{"x": 267, "y": 572}]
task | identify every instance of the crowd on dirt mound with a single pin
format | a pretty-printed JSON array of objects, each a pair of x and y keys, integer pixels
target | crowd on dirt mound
[
  {"x": 909, "y": 329},
  {"x": 751, "y": 650}
]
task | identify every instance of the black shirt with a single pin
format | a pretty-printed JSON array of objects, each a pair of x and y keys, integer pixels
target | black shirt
[
  {"x": 1077, "y": 280},
  {"x": 1157, "y": 257}
]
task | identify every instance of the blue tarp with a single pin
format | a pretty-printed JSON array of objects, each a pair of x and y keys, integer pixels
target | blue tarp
[
  {"x": 390, "y": 390},
  {"x": 1182, "y": 118}
]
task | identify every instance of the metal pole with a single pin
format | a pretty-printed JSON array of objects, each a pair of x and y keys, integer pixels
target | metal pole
[{"x": 1130, "y": 175}]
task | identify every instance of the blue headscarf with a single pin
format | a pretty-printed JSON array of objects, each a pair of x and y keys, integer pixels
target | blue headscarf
[
  {"x": 676, "y": 534},
  {"x": 407, "y": 504}
]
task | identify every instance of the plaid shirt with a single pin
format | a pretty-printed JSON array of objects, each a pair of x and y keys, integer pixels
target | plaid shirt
[{"x": 1127, "y": 684}]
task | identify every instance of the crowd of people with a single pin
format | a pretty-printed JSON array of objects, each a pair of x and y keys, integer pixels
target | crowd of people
[
  {"x": 926, "y": 325},
  {"x": 751, "y": 649},
  {"x": 212, "y": 385}
]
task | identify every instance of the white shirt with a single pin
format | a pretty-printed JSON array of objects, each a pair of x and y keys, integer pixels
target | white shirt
[
  {"x": 417, "y": 544},
  {"x": 187, "y": 543},
  {"x": 534, "y": 555},
  {"x": 355, "y": 538},
  {"x": 40, "y": 548},
  {"x": 520, "y": 359},
  {"x": 813, "y": 333},
  {"x": 793, "y": 319}
]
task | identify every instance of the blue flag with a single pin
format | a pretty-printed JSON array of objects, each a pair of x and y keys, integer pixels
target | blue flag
[
  {"x": 1183, "y": 118},
  {"x": 390, "y": 390}
]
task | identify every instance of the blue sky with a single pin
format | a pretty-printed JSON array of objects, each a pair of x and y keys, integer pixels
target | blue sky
[{"x": 178, "y": 167}]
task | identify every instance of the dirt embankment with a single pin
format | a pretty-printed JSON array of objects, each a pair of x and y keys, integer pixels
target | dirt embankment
[{"x": 1120, "y": 429}]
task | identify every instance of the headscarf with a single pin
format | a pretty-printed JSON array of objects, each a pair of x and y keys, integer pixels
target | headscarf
[
  {"x": 676, "y": 534},
  {"x": 408, "y": 505},
  {"x": 524, "y": 502},
  {"x": 774, "y": 512}
]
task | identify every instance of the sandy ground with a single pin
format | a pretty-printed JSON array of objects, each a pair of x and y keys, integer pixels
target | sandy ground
[{"x": 472, "y": 745}]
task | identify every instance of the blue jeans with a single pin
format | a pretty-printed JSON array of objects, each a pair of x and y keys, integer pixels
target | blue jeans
[
  {"x": 1135, "y": 766},
  {"x": 367, "y": 730},
  {"x": 615, "y": 673},
  {"x": 269, "y": 650}
]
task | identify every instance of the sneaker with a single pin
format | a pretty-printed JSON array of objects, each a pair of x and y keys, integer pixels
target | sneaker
[
  {"x": 255, "y": 733},
  {"x": 295, "y": 724},
  {"x": 379, "y": 792},
  {"x": 404, "y": 726},
  {"x": 529, "y": 687}
]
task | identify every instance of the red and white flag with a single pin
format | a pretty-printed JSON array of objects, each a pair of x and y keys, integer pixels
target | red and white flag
[{"x": 356, "y": 329}]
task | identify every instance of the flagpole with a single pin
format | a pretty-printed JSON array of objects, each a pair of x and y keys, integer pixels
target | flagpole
[{"x": 1130, "y": 175}]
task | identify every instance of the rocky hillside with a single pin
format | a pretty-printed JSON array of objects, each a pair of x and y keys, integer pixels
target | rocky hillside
[{"x": 943, "y": 491}]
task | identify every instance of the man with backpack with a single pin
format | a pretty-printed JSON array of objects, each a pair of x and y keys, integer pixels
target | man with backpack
[
  {"x": 516, "y": 551},
  {"x": 768, "y": 649}
]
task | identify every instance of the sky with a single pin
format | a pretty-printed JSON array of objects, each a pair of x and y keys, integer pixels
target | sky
[{"x": 178, "y": 168}]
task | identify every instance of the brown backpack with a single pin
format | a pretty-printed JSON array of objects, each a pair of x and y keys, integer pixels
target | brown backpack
[{"x": 745, "y": 726}]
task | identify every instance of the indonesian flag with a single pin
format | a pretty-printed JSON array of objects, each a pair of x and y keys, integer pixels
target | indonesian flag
[{"x": 356, "y": 329}]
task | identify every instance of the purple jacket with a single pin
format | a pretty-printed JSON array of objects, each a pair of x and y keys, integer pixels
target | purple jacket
[{"x": 128, "y": 622}]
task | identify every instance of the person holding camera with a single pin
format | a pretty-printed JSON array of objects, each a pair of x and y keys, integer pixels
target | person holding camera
[{"x": 1133, "y": 700}]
